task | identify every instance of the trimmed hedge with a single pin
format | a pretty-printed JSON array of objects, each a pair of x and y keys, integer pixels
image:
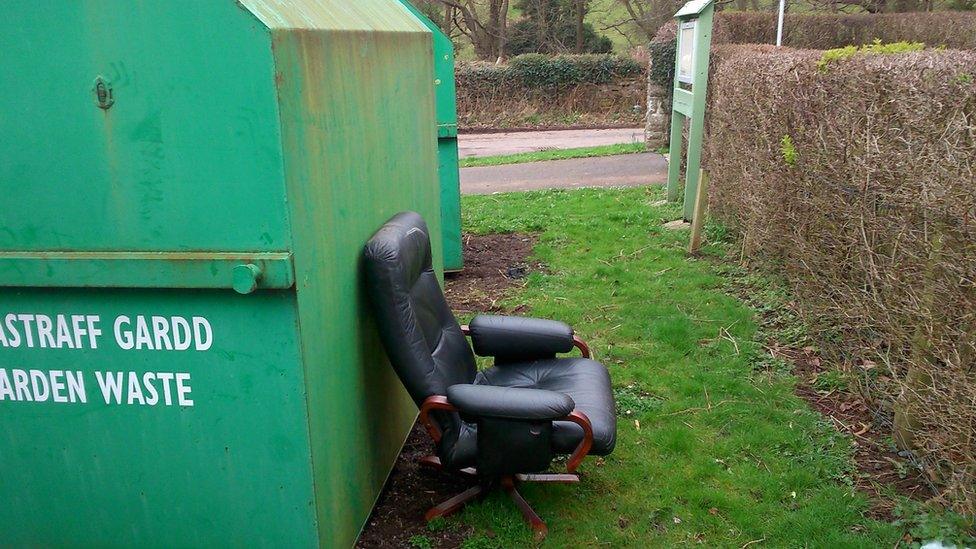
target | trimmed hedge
[
  {"x": 542, "y": 90},
  {"x": 955, "y": 30},
  {"x": 538, "y": 71},
  {"x": 951, "y": 29},
  {"x": 856, "y": 179}
]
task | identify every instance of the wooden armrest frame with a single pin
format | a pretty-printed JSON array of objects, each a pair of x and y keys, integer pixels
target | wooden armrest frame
[
  {"x": 582, "y": 346},
  {"x": 436, "y": 402},
  {"x": 583, "y": 449},
  {"x": 439, "y": 402},
  {"x": 577, "y": 341}
]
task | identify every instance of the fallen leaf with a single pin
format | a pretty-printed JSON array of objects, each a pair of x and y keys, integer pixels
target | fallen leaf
[
  {"x": 713, "y": 511},
  {"x": 677, "y": 520},
  {"x": 637, "y": 424}
]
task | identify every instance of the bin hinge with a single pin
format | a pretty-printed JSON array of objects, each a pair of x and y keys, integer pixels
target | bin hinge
[{"x": 445, "y": 131}]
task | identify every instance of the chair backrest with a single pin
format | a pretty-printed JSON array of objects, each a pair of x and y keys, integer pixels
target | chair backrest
[{"x": 420, "y": 334}]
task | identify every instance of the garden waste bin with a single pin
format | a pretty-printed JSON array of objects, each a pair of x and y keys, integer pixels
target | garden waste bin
[{"x": 185, "y": 353}]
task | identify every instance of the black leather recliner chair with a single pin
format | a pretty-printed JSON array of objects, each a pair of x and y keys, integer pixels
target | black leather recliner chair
[{"x": 504, "y": 424}]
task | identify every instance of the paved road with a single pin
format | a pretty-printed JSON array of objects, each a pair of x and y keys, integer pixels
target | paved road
[
  {"x": 491, "y": 144},
  {"x": 627, "y": 170}
]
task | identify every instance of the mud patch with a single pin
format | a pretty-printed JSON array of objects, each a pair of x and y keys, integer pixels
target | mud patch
[
  {"x": 493, "y": 265},
  {"x": 398, "y": 517}
]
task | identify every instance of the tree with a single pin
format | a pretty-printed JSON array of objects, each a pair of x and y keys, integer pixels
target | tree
[
  {"x": 524, "y": 38},
  {"x": 483, "y": 22},
  {"x": 555, "y": 26},
  {"x": 648, "y": 15},
  {"x": 581, "y": 7}
]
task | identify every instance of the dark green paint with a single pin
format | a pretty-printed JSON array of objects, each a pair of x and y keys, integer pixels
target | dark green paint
[
  {"x": 273, "y": 133},
  {"x": 142, "y": 269}
]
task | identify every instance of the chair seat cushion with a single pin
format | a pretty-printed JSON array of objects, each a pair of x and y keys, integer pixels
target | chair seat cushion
[{"x": 585, "y": 380}]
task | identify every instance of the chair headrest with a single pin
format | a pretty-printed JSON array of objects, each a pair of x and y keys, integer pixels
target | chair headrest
[{"x": 404, "y": 244}]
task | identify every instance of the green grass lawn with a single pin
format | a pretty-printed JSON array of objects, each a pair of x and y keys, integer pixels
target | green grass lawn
[
  {"x": 713, "y": 446},
  {"x": 554, "y": 154}
]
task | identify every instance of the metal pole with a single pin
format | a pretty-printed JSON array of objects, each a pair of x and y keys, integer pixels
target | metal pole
[{"x": 779, "y": 26}]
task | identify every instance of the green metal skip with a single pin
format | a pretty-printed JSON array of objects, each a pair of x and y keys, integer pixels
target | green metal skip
[{"x": 185, "y": 357}]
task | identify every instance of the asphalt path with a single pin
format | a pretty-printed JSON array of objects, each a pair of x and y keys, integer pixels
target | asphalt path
[
  {"x": 626, "y": 170},
  {"x": 493, "y": 144}
]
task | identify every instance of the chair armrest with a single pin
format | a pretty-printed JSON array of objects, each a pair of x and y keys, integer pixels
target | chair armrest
[
  {"x": 553, "y": 402},
  {"x": 583, "y": 449},
  {"x": 432, "y": 403},
  {"x": 510, "y": 402},
  {"x": 519, "y": 338}
]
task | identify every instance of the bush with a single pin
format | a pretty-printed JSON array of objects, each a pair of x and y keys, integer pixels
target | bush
[
  {"x": 662, "y": 63},
  {"x": 535, "y": 70},
  {"x": 956, "y": 30},
  {"x": 536, "y": 89},
  {"x": 820, "y": 31},
  {"x": 538, "y": 71},
  {"x": 857, "y": 182},
  {"x": 839, "y": 54},
  {"x": 951, "y": 29},
  {"x": 523, "y": 38}
]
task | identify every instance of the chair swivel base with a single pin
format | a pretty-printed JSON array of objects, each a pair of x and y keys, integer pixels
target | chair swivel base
[{"x": 507, "y": 483}]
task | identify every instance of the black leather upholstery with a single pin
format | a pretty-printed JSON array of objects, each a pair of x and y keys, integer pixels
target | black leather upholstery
[
  {"x": 586, "y": 381},
  {"x": 509, "y": 402},
  {"x": 510, "y": 338},
  {"x": 516, "y": 403},
  {"x": 419, "y": 332}
]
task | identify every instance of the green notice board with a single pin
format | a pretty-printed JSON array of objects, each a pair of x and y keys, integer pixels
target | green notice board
[
  {"x": 185, "y": 353},
  {"x": 694, "y": 42}
]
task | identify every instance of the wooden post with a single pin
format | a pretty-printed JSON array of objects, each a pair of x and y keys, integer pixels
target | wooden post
[
  {"x": 698, "y": 221},
  {"x": 917, "y": 380}
]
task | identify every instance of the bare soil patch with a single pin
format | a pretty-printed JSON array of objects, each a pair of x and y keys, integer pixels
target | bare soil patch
[
  {"x": 493, "y": 264},
  {"x": 410, "y": 491}
]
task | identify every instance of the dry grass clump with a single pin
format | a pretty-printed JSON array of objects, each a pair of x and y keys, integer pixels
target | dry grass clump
[{"x": 858, "y": 179}]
